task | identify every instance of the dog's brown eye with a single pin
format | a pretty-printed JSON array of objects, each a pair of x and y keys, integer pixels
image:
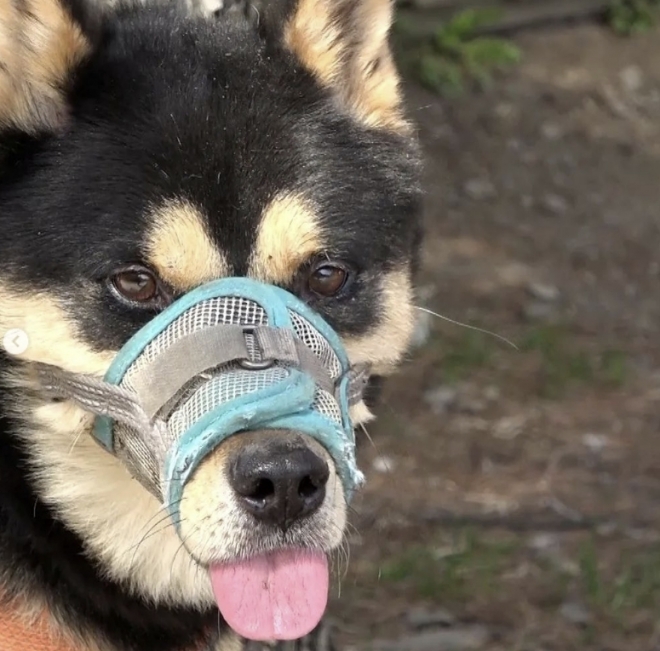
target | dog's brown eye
[
  {"x": 137, "y": 285},
  {"x": 327, "y": 280}
]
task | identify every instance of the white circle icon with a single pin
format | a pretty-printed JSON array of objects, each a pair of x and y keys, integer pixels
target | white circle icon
[{"x": 15, "y": 341}]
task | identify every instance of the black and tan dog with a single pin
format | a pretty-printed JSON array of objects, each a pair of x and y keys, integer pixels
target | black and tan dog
[{"x": 144, "y": 152}]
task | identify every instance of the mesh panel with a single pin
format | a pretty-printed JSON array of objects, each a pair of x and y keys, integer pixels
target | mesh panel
[
  {"x": 327, "y": 406},
  {"x": 219, "y": 390},
  {"x": 314, "y": 340},
  {"x": 214, "y": 311}
]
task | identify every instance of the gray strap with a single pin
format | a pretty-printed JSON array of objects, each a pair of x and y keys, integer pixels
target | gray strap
[
  {"x": 310, "y": 363},
  {"x": 159, "y": 381},
  {"x": 95, "y": 395},
  {"x": 277, "y": 343},
  {"x": 283, "y": 345}
]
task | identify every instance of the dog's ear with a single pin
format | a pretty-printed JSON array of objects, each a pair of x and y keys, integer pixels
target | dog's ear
[
  {"x": 42, "y": 42},
  {"x": 345, "y": 44}
]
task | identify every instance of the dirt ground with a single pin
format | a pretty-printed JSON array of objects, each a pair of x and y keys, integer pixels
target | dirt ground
[{"x": 513, "y": 495}]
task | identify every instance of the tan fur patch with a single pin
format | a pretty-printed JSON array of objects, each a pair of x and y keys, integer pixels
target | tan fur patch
[
  {"x": 230, "y": 642},
  {"x": 344, "y": 43},
  {"x": 314, "y": 36},
  {"x": 180, "y": 249},
  {"x": 288, "y": 236},
  {"x": 52, "y": 337},
  {"x": 39, "y": 46},
  {"x": 387, "y": 343}
]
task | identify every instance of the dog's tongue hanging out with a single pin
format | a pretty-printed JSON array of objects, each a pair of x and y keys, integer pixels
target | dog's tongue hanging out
[{"x": 279, "y": 596}]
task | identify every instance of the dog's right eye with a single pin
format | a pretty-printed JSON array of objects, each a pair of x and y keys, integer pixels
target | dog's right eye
[{"x": 137, "y": 285}]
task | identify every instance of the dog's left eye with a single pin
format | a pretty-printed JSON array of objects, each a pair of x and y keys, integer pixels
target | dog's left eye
[{"x": 137, "y": 285}]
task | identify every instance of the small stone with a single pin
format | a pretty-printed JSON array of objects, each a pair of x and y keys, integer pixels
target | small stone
[
  {"x": 575, "y": 613},
  {"x": 543, "y": 542},
  {"x": 487, "y": 467},
  {"x": 466, "y": 638},
  {"x": 554, "y": 204},
  {"x": 505, "y": 111},
  {"x": 509, "y": 427},
  {"x": 470, "y": 405},
  {"x": 547, "y": 546},
  {"x": 632, "y": 79},
  {"x": 542, "y": 292},
  {"x": 595, "y": 442},
  {"x": 607, "y": 529},
  {"x": 479, "y": 189},
  {"x": 441, "y": 399},
  {"x": 540, "y": 311},
  {"x": 383, "y": 464},
  {"x": 492, "y": 393},
  {"x": 514, "y": 144},
  {"x": 551, "y": 131},
  {"x": 419, "y": 618},
  {"x": 527, "y": 201},
  {"x": 467, "y": 424}
]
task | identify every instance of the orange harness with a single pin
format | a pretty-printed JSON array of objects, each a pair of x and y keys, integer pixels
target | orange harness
[{"x": 19, "y": 634}]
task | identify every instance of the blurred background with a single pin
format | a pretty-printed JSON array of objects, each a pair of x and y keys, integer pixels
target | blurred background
[{"x": 513, "y": 495}]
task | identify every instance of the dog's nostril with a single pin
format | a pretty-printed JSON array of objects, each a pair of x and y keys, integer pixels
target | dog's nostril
[
  {"x": 307, "y": 487},
  {"x": 263, "y": 490}
]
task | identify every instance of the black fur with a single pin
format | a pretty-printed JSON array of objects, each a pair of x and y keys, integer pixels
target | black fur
[{"x": 169, "y": 106}]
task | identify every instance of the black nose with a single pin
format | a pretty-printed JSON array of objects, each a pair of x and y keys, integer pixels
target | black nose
[{"x": 279, "y": 483}]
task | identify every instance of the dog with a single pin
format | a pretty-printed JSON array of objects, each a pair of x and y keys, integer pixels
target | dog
[{"x": 146, "y": 151}]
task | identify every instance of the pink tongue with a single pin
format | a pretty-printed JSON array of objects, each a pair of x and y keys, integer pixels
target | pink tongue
[{"x": 280, "y": 596}]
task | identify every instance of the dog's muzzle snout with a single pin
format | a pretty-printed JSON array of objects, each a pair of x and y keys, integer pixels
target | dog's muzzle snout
[
  {"x": 277, "y": 478},
  {"x": 234, "y": 356}
]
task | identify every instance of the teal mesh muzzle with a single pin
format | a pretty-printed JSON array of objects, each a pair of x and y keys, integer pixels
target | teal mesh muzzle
[{"x": 231, "y": 356}]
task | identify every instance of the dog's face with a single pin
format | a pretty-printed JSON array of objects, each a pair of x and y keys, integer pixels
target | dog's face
[{"x": 145, "y": 153}]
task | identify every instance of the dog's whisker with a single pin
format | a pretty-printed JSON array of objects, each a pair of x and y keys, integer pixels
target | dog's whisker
[
  {"x": 193, "y": 554},
  {"x": 369, "y": 438},
  {"x": 162, "y": 510},
  {"x": 154, "y": 533},
  {"x": 75, "y": 441},
  {"x": 468, "y": 326}
]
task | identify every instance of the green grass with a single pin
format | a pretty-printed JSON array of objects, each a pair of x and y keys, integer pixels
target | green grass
[
  {"x": 632, "y": 585},
  {"x": 629, "y": 17},
  {"x": 471, "y": 351},
  {"x": 473, "y": 564},
  {"x": 563, "y": 365},
  {"x": 561, "y": 362},
  {"x": 614, "y": 367},
  {"x": 590, "y": 573},
  {"x": 455, "y": 56}
]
